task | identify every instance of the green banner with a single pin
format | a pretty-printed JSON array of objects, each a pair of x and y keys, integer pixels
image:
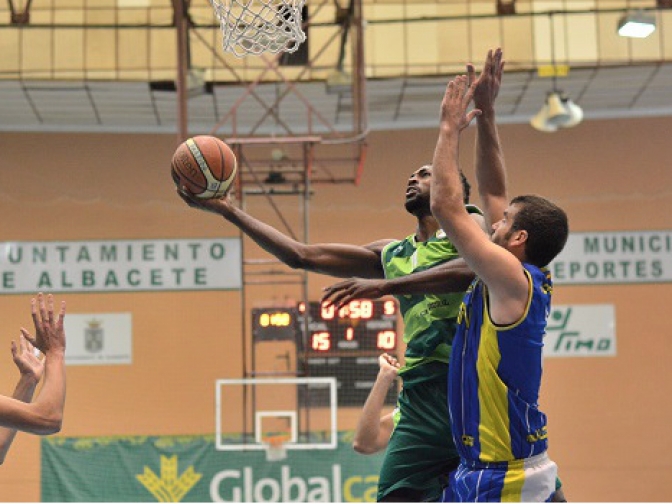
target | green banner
[{"x": 190, "y": 469}]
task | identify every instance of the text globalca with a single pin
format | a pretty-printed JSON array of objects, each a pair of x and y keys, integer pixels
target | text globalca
[{"x": 234, "y": 485}]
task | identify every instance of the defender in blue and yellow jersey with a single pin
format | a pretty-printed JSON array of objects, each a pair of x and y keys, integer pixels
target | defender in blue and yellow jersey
[
  {"x": 494, "y": 381},
  {"x": 498, "y": 368},
  {"x": 495, "y": 368}
]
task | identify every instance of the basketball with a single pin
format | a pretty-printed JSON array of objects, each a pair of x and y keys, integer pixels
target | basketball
[{"x": 205, "y": 165}]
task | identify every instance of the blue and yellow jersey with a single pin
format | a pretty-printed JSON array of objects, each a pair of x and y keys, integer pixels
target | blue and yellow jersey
[
  {"x": 495, "y": 376},
  {"x": 429, "y": 319}
]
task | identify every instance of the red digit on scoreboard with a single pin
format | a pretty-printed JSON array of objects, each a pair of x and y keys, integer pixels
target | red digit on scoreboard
[
  {"x": 386, "y": 340},
  {"x": 327, "y": 311},
  {"x": 366, "y": 309},
  {"x": 320, "y": 341},
  {"x": 357, "y": 309}
]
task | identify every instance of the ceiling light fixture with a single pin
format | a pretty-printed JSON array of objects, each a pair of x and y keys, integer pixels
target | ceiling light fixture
[
  {"x": 558, "y": 111},
  {"x": 636, "y": 24}
]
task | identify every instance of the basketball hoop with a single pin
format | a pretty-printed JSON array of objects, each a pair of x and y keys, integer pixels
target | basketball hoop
[
  {"x": 275, "y": 448},
  {"x": 259, "y": 26}
]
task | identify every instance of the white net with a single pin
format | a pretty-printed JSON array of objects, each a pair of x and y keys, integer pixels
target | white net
[
  {"x": 260, "y": 26},
  {"x": 275, "y": 448}
]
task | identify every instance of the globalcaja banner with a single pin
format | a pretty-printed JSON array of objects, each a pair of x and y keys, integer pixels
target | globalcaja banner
[
  {"x": 120, "y": 266},
  {"x": 615, "y": 257},
  {"x": 190, "y": 469}
]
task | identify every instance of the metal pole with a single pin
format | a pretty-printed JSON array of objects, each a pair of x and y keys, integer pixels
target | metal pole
[
  {"x": 180, "y": 8},
  {"x": 360, "y": 117}
]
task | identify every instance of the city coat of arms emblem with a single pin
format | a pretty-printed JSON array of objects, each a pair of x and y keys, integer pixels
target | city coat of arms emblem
[{"x": 94, "y": 337}]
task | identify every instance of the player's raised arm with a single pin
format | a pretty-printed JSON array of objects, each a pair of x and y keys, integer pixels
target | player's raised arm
[
  {"x": 31, "y": 368},
  {"x": 203, "y": 169},
  {"x": 336, "y": 259},
  {"x": 447, "y": 194},
  {"x": 490, "y": 168},
  {"x": 497, "y": 267},
  {"x": 45, "y": 415},
  {"x": 373, "y": 428}
]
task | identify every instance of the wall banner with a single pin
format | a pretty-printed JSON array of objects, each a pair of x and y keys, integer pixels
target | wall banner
[
  {"x": 99, "y": 339},
  {"x": 189, "y": 469},
  {"x": 581, "y": 331},
  {"x": 120, "y": 266},
  {"x": 615, "y": 257}
]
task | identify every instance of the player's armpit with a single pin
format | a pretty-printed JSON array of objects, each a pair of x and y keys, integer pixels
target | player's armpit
[{"x": 378, "y": 246}]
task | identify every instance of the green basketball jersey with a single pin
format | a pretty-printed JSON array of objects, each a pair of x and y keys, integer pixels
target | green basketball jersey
[{"x": 429, "y": 319}]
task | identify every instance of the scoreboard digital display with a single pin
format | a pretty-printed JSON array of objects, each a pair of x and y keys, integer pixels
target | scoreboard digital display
[
  {"x": 344, "y": 343},
  {"x": 275, "y": 324},
  {"x": 361, "y": 325},
  {"x": 347, "y": 342}
]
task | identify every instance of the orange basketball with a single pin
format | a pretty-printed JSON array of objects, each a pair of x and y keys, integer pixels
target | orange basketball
[{"x": 205, "y": 165}]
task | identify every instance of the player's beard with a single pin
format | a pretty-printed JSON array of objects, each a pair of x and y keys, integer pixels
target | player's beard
[
  {"x": 501, "y": 239},
  {"x": 417, "y": 205}
]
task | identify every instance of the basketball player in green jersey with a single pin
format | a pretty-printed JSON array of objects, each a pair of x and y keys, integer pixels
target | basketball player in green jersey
[
  {"x": 418, "y": 451},
  {"x": 426, "y": 449}
]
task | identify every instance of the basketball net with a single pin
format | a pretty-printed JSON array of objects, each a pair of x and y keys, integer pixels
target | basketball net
[
  {"x": 260, "y": 26},
  {"x": 275, "y": 448}
]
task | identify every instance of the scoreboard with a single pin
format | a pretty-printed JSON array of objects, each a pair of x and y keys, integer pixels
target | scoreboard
[
  {"x": 347, "y": 342},
  {"x": 361, "y": 325},
  {"x": 275, "y": 324},
  {"x": 344, "y": 343}
]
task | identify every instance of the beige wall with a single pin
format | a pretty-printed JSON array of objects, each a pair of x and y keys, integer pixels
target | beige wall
[{"x": 608, "y": 416}]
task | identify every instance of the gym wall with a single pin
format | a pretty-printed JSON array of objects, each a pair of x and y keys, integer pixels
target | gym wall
[{"x": 608, "y": 416}]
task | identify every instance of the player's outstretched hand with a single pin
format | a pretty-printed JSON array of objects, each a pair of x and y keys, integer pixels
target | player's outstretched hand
[
  {"x": 341, "y": 293},
  {"x": 486, "y": 87},
  {"x": 219, "y": 206},
  {"x": 49, "y": 331},
  {"x": 459, "y": 94},
  {"x": 27, "y": 360}
]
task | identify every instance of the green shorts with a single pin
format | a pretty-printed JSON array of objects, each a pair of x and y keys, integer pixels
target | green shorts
[{"x": 421, "y": 452}]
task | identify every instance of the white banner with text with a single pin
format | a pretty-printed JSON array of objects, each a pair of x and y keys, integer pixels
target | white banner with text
[
  {"x": 120, "y": 266},
  {"x": 615, "y": 257},
  {"x": 581, "y": 331}
]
